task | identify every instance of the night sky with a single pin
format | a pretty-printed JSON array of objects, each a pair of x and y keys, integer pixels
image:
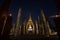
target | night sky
[{"x": 32, "y": 6}]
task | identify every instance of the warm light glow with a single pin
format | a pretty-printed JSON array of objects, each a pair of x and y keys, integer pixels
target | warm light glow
[
  {"x": 30, "y": 28},
  {"x": 56, "y": 16},
  {"x": 4, "y": 15},
  {"x": 10, "y": 14}
]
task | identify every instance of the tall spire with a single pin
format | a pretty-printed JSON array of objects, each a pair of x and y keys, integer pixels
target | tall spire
[
  {"x": 18, "y": 21},
  {"x": 30, "y": 24},
  {"x": 30, "y": 19},
  {"x": 45, "y": 24},
  {"x": 3, "y": 12},
  {"x": 37, "y": 28}
]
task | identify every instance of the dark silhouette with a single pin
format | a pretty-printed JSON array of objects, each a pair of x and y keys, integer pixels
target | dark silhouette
[{"x": 5, "y": 20}]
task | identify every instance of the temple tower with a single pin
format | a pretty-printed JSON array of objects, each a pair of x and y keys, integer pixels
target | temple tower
[
  {"x": 46, "y": 24},
  {"x": 37, "y": 30},
  {"x": 17, "y": 25},
  {"x": 30, "y": 27}
]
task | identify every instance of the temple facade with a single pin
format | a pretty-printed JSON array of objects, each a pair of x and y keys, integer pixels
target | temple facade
[{"x": 30, "y": 27}]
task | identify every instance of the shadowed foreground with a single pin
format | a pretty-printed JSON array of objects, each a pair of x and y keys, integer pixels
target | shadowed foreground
[{"x": 34, "y": 37}]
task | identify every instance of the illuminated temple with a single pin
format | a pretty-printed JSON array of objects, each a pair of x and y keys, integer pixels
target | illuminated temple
[
  {"x": 29, "y": 27},
  {"x": 34, "y": 29}
]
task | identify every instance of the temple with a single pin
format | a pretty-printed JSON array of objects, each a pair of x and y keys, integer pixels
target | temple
[{"x": 30, "y": 27}]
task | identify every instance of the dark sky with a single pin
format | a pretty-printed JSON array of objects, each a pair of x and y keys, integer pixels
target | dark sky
[{"x": 32, "y": 6}]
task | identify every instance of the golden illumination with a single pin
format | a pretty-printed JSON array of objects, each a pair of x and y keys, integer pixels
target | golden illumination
[
  {"x": 30, "y": 25},
  {"x": 30, "y": 19},
  {"x": 30, "y": 28}
]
